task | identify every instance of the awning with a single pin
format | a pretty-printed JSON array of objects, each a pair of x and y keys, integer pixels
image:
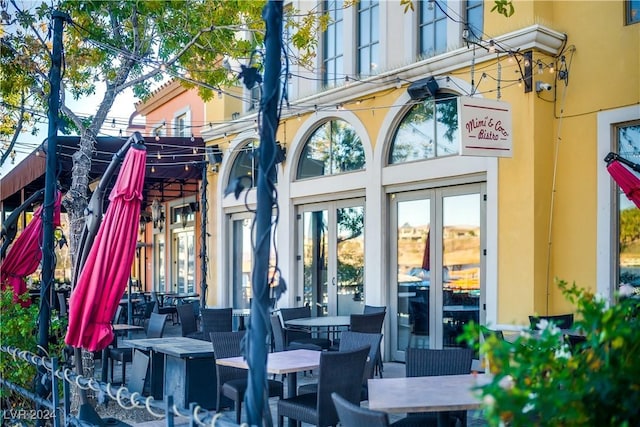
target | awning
[{"x": 174, "y": 166}]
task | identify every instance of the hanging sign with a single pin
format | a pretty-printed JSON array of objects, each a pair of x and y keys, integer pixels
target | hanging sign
[{"x": 485, "y": 127}]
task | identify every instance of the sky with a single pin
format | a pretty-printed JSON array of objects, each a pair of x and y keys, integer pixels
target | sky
[{"x": 121, "y": 111}]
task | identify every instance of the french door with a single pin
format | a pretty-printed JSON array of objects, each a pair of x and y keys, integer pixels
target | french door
[
  {"x": 437, "y": 265},
  {"x": 184, "y": 260},
  {"x": 330, "y": 257}
]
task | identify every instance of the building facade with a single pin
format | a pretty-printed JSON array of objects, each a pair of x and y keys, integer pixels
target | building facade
[{"x": 377, "y": 205}]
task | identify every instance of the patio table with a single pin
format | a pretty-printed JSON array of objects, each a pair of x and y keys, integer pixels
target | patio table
[
  {"x": 441, "y": 394},
  {"x": 332, "y": 324},
  {"x": 192, "y": 355},
  {"x": 283, "y": 362}
]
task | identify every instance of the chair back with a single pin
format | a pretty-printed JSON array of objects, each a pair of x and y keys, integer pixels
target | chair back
[
  {"x": 486, "y": 333},
  {"x": 216, "y": 320},
  {"x": 370, "y": 309},
  {"x": 277, "y": 333},
  {"x": 352, "y": 415},
  {"x": 138, "y": 375},
  {"x": 562, "y": 321},
  {"x": 367, "y": 323},
  {"x": 340, "y": 372},
  {"x": 227, "y": 344},
  {"x": 426, "y": 362},
  {"x": 155, "y": 329},
  {"x": 117, "y": 315},
  {"x": 187, "y": 318},
  {"x": 354, "y": 340},
  {"x": 295, "y": 313}
]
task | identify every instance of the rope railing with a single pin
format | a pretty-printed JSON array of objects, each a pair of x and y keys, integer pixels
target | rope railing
[{"x": 122, "y": 396}]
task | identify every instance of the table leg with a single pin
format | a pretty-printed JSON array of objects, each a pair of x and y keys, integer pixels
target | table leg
[
  {"x": 105, "y": 364},
  {"x": 241, "y": 326},
  {"x": 292, "y": 390}
]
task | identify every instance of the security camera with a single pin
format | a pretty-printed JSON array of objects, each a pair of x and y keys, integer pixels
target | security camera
[{"x": 540, "y": 86}]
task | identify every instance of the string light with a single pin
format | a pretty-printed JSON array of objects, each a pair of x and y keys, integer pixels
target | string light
[
  {"x": 186, "y": 167},
  {"x": 492, "y": 46},
  {"x": 540, "y": 67},
  {"x": 153, "y": 169},
  {"x": 193, "y": 138},
  {"x": 158, "y": 155},
  {"x": 551, "y": 68},
  {"x": 113, "y": 123}
]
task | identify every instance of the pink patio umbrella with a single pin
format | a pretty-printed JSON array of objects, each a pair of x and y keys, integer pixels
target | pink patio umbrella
[
  {"x": 628, "y": 181},
  {"x": 103, "y": 278},
  {"x": 24, "y": 256}
]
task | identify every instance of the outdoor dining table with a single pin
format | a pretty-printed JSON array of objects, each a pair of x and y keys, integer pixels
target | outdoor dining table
[
  {"x": 331, "y": 324},
  {"x": 281, "y": 363},
  {"x": 288, "y": 362},
  {"x": 183, "y": 367},
  {"x": 241, "y": 313},
  {"x": 441, "y": 394}
]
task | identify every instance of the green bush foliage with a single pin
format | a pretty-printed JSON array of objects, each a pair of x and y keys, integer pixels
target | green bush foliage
[
  {"x": 541, "y": 380},
  {"x": 19, "y": 328}
]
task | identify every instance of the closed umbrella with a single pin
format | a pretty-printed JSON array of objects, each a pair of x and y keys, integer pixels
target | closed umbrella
[
  {"x": 24, "y": 256},
  {"x": 627, "y": 180},
  {"x": 104, "y": 276}
]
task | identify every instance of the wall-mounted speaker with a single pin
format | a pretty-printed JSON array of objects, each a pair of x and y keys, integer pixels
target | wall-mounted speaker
[{"x": 423, "y": 88}]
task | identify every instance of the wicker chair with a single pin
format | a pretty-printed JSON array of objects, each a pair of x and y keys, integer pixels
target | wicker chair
[
  {"x": 216, "y": 320},
  {"x": 232, "y": 382},
  {"x": 352, "y": 341},
  {"x": 370, "y": 323},
  {"x": 282, "y": 342},
  {"x": 170, "y": 309},
  {"x": 340, "y": 372},
  {"x": 188, "y": 322},
  {"x": 425, "y": 362},
  {"x": 301, "y": 334},
  {"x": 352, "y": 415},
  {"x": 370, "y": 309}
]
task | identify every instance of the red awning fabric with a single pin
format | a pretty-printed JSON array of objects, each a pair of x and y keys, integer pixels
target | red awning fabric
[
  {"x": 627, "y": 180},
  {"x": 25, "y": 254},
  {"x": 103, "y": 279}
]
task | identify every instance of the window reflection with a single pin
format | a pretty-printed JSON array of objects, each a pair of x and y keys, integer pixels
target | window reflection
[
  {"x": 628, "y": 138},
  {"x": 420, "y": 137},
  {"x": 333, "y": 148}
]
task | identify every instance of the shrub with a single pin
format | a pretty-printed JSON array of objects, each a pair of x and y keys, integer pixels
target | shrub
[
  {"x": 540, "y": 380},
  {"x": 19, "y": 328}
]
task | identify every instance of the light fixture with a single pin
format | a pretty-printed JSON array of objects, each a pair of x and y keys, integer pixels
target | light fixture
[
  {"x": 184, "y": 215},
  {"x": 157, "y": 216},
  {"x": 143, "y": 224},
  {"x": 492, "y": 46}
]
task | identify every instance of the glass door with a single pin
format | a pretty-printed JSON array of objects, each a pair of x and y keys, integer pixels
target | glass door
[
  {"x": 331, "y": 257},
  {"x": 184, "y": 279},
  {"x": 438, "y": 265}
]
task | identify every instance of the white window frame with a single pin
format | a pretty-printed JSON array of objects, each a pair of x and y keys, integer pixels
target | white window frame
[{"x": 606, "y": 259}]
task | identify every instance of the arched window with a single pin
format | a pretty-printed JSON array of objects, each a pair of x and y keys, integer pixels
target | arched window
[
  {"x": 428, "y": 130},
  {"x": 246, "y": 164},
  {"x": 332, "y": 149}
]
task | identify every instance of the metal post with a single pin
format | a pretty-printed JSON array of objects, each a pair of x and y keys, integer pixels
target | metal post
[
  {"x": 203, "y": 237},
  {"x": 258, "y": 326},
  {"x": 50, "y": 193}
]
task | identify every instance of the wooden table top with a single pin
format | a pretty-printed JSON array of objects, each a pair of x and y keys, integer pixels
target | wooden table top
[
  {"x": 283, "y": 362},
  {"x": 320, "y": 322},
  {"x": 425, "y": 394},
  {"x": 186, "y": 349},
  {"x": 150, "y": 343},
  {"x": 119, "y": 327}
]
